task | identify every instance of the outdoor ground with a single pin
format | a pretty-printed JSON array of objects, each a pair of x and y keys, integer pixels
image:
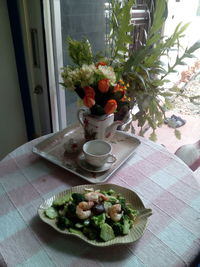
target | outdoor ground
[
  {"x": 190, "y": 132},
  {"x": 184, "y": 108}
]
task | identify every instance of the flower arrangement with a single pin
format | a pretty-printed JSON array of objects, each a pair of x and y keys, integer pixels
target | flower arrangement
[{"x": 95, "y": 83}]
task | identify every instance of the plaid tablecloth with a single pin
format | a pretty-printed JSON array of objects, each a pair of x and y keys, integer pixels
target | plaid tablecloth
[{"x": 163, "y": 182}]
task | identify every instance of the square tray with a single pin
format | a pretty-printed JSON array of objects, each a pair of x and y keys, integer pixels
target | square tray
[{"x": 54, "y": 149}]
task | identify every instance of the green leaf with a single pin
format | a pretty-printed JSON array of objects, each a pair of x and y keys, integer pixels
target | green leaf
[
  {"x": 183, "y": 28},
  {"x": 187, "y": 55},
  {"x": 80, "y": 51},
  {"x": 194, "y": 47},
  {"x": 166, "y": 94},
  {"x": 175, "y": 89},
  {"x": 146, "y": 70},
  {"x": 158, "y": 82},
  {"x": 120, "y": 26},
  {"x": 153, "y": 136},
  {"x": 173, "y": 71},
  {"x": 177, "y": 134},
  {"x": 141, "y": 79},
  {"x": 153, "y": 39},
  {"x": 168, "y": 104},
  {"x": 182, "y": 63},
  {"x": 159, "y": 16},
  {"x": 141, "y": 122},
  {"x": 159, "y": 117},
  {"x": 152, "y": 123}
]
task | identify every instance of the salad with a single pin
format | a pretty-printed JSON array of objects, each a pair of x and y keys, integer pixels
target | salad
[{"x": 99, "y": 215}]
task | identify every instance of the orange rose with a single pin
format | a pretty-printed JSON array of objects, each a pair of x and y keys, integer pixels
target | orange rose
[
  {"x": 110, "y": 106},
  {"x": 103, "y": 85},
  {"x": 88, "y": 101},
  {"x": 101, "y": 63},
  {"x": 89, "y": 91}
]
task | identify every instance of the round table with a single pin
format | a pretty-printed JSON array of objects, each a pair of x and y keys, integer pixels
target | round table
[{"x": 163, "y": 182}]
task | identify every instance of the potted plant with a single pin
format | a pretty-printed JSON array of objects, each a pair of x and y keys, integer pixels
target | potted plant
[{"x": 143, "y": 70}]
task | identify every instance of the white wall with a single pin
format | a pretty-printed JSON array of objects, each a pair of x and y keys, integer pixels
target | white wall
[{"x": 12, "y": 123}]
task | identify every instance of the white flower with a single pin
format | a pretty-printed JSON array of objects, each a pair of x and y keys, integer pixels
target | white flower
[
  {"x": 89, "y": 68},
  {"x": 108, "y": 73},
  {"x": 86, "y": 74},
  {"x": 68, "y": 76}
]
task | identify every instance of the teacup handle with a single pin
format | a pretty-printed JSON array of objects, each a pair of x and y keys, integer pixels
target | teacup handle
[
  {"x": 111, "y": 159},
  {"x": 80, "y": 115}
]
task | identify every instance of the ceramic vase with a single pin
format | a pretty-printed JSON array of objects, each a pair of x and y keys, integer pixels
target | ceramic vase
[{"x": 97, "y": 127}]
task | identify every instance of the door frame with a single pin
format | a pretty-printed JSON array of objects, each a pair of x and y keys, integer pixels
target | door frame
[
  {"x": 52, "y": 25},
  {"x": 17, "y": 36},
  {"x": 37, "y": 75}
]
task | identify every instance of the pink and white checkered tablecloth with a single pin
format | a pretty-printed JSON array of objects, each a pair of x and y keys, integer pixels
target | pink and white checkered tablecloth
[{"x": 163, "y": 182}]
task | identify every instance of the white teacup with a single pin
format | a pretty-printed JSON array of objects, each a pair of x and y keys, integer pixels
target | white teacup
[{"x": 98, "y": 152}]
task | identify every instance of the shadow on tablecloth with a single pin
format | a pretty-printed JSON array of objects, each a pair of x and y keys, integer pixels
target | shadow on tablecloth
[{"x": 57, "y": 243}]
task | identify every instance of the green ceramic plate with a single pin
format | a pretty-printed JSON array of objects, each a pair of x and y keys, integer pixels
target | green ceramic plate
[{"x": 136, "y": 231}]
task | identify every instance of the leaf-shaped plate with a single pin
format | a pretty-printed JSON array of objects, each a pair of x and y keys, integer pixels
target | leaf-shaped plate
[{"x": 131, "y": 197}]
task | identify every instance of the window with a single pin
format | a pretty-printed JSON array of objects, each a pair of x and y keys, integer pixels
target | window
[{"x": 90, "y": 19}]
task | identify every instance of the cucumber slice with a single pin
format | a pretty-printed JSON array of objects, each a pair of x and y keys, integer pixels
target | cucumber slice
[
  {"x": 126, "y": 227},
  {"x": 79, "y": 225},
  {"x": 107, "y": 232},
  {"x": 75, "y": 231},
  {"x": 51, "y": 213},
  {"x": 62, "y": 200}
]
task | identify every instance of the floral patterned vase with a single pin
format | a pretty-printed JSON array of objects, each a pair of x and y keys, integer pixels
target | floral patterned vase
[{"x": 97, "y": 127}]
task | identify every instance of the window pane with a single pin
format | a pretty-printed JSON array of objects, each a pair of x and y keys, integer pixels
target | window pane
[{"x": 81, "y": 18}]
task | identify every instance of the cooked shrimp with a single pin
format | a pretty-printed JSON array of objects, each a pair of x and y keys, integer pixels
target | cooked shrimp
[
  {"x": 115, "y": 212},
  {"x": 95, "y": 196},
  {"x": 83, "y": 209}
]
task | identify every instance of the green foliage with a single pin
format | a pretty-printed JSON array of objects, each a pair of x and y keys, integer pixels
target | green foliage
[
  {"x": 117, "y": 228},
  {"x": 153, "y": 137},
  {"x": 91, "y": 233},
  {"x": 98, "y": 220},
  {"x": 80, "y": 51},
  {"x": 77, "y": 198},
  {"x": 143, "y": 69},
  {"x": 126, "y": 225},
  {"x": 177, "y": 134},
  {"x": 63, "y": 222},
  {"x": 61, "y": 200},
  {"x": 120, "y": 21}
]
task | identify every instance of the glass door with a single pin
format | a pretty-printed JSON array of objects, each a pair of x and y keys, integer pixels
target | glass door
[{"x": 75, "y": 19}]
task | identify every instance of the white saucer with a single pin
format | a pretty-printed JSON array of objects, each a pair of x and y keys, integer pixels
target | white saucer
[{"x": 86, "y": 166}]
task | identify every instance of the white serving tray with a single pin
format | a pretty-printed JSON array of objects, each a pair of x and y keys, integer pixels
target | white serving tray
[{"x": 54, "y": 149}]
